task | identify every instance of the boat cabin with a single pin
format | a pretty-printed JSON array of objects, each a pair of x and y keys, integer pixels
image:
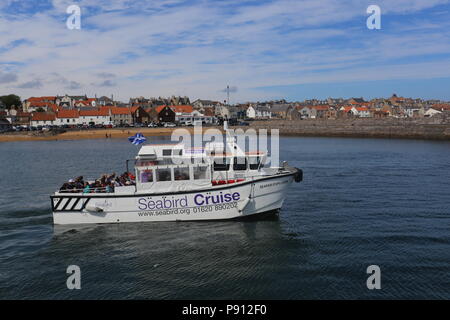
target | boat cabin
[{"x": 172, "y": 167}]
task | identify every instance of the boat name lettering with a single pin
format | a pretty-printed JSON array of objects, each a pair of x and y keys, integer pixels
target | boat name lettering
[
  {"x": 165, "y": 203},
  {"x": 201, "y": 199},
  {"x": 273, "y": 184}
]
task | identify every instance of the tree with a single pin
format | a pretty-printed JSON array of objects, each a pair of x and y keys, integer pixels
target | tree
[
  {"x": 10, "y": 100},
  {"x": 40, "y": 109}
]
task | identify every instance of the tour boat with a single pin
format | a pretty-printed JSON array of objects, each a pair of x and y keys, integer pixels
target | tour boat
[{"x": 180, "y": 183}]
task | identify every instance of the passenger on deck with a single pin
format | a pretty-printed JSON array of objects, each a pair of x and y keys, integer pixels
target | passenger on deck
[
  {"x": 106, "y": 183},
  {"x": 110, "y": 188},
  {"x": 87, "y": 188}
]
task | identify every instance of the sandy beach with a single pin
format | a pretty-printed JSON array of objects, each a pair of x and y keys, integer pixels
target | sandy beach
[{"x": 89, "y": 134}]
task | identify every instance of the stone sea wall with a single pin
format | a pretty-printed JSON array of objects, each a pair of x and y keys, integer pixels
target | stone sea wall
[{"x": 420, "y": 128}]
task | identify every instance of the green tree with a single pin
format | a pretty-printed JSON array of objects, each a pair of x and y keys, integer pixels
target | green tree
[
  {"x": 10, "y": 100},
  {"x": 40, "y": 109}
]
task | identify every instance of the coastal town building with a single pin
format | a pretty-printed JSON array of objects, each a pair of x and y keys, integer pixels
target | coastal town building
[
  {"x": 42, "y": 119},
  {"x": 33, "y": 103},
  {"x": 258, "y": 112},
  {"x": 4, "y": 124},
  {"x": 139, "y": 115},
  {"x": 285, "y": 111},
  {"x": 105, "y": 101},
  {"x": 67, "y": 117},
  {"x": 199, "y": 103},
  {"x": 120, "y": 116},
  {"x": 432, "y": 112},
  {"x": 222, "y": 112},
  {"x": 165, "y": 114},
  {"x": 95, "y": 117},
  {"x": 354, "y": 111}
]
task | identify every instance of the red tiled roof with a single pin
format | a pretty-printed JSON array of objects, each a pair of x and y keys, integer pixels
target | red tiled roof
[
  {"x": 324, "y": 108},
  {"x": 120, "y": 110},
  {"x": 182, "y": 109},
  {"x": 159, "y": 108},
  {"x": 209, "y": 112},
  {"x": 441, "y": 106},
  {"x": 23, "y": 114},
  {"x": 39, "y": 104},
  {"x": 41, "y": 116},
  {"x": 53, "y": 106},
  {"x": 67, "y": 114},
  {"x": 93, "y": 113},
  {"x": 348, "y": 108},
  {"x": 41, "y": 99},
  {"x": 362, "y": 109}
]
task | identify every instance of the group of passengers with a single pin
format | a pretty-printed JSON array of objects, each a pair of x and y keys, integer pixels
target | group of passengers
[{"x": 105, "y": 184}]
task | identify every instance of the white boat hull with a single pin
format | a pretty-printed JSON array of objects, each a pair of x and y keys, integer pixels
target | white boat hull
[{"x": 217, "y": 203}]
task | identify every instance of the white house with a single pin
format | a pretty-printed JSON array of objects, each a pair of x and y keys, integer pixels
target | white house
[
  {"x": 431, "y": 112},
  {"x": 193, "y": 117},
  {"x": 258, "y": 112},
  {"x": 67, "y": 117},
  {"x": 42, "y": 119},
  {"x": 88, "y": 117},
  {"x": 362, "y": 112}
]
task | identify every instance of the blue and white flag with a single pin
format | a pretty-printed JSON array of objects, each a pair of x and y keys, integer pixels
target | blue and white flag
[{"x": 138, "y": 138}]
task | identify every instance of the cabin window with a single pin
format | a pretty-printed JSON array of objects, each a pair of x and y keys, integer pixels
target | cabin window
[
  {"x": 146, "y": 176},
  {"x": 254, "y": 163},
  {"x": 239, "y": 164},
  {"x": 167, "y": 152},
  {"x": 145, "y": 163},
  {"x": 200, "y": 172},
  {"x": 163, "y": 174},
  {"x": 181, "y": 173},
  {"x": 221, "y": 164}
]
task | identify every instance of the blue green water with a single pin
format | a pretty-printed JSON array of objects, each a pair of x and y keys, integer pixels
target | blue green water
[{"x": 362, "y": 202}]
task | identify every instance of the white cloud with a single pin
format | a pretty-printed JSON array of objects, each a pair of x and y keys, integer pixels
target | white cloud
[{"x": 198, "y": 49}]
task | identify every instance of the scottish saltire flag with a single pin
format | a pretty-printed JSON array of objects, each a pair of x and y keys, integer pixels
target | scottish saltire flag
[{"x": 138, "y": 138}]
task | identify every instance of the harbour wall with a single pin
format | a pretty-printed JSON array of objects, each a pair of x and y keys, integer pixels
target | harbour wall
[{"x": 420, "y": 128}]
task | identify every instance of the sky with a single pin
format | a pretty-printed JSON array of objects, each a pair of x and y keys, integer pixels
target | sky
[{"x": 262, "y": 49}]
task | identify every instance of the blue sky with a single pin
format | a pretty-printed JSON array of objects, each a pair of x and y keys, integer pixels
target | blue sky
[{"x": 293, "y": 49}]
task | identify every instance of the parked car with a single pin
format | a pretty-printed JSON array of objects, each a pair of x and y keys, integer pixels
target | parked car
[
  {"x": 152, "y": 125},
  {"x": 169, "y": 125}
]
